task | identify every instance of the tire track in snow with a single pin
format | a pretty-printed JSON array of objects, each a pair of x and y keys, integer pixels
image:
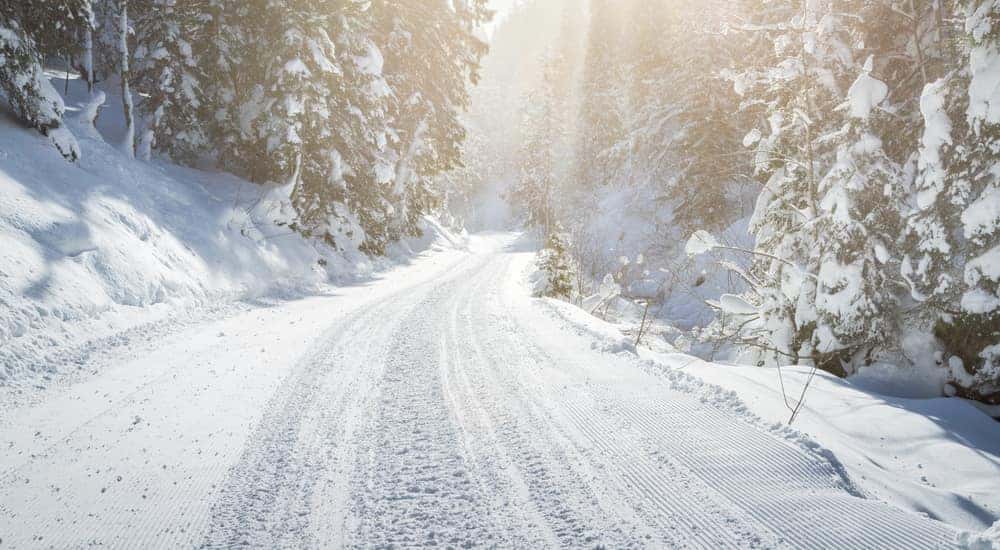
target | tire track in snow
[
  {"x": 494, "y": 468},
  {"x": 415, "y": 485},
  {"x": 290, "y": 487},
  {"x": 563, "y": 505},
  {"x": 263, "y": 501}
]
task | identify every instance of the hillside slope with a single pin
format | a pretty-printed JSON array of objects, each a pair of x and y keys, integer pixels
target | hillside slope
[{"x": 96, "y": 248}]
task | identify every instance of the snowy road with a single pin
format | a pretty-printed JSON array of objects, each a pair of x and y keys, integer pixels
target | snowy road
[{"x": 438, "y": 406}]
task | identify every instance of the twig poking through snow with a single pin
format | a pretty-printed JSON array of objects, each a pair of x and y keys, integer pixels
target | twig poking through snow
[{"x": 642, "y": 325}]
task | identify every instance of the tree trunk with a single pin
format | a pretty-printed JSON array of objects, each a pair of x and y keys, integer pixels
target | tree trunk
[
  {"x": 129, "y": 141},
  {"x": 88, "y": 58}
]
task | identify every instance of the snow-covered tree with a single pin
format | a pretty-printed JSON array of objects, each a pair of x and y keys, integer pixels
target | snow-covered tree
[
  {"x": 860, "y": 198},
  {"x": 58, "y": 27},
  {"x": 954, "y": 229},
  {"x": 294, "y": 109},
  {"x": 431, "y": 55},
  {"x": 556, "y": 266},
  {"x": 167, "y": 78},
  {"x": 25, "y": 85},
  {"x": 796, "y": 93},
  {"x": 358, "y": 108},
  {"x": 353, "y": 105},
  {"x": 223, "y": 48},
  {"x": 315, "y": 116},
  {"x": 603, "y": 96},
  {"x": 980, "y": 170},
  {"x": 950, "y": 246},
  {"x": 684, "y": 127},
  {"x": 536, "y": 189},
  {"x": 878, "y": 174}
]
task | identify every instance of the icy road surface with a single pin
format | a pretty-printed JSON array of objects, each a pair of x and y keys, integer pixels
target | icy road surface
[{"x": 439, "y": 406}]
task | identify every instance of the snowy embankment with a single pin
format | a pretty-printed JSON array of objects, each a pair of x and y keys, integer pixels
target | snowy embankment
[
  {"x": 109, "y": 249},
  {"x": 938, "y": 456}
]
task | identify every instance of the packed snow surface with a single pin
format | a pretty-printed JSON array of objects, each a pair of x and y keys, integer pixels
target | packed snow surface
[{"x": 438, "y": 405}]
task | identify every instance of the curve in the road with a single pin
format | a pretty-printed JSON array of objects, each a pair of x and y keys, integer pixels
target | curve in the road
[{"x": 459, "y": 415}]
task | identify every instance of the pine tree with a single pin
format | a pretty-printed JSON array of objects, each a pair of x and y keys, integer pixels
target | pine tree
[
  {"x": 221, "y": 47},
  {"x": 933, "y": 276},
  {"x": 100, "y": 59},
  {"x": 602, "y": 107},
  {"x": 361, "y": 135},
  {"x": 952, "y": 228},
  {"x": 554, "y": 262},
  {"x": 976, "y": 169},
  {"x": 295, "y": 108},
  {"x": 234, "y": 48},
  {"x": 24, "y": 83},
  {"x": 685, "y": 126},
  {"x": 861, "y": 194},
  {"x": 431, "y": 55},
  {"x": 927, "y": 246},
  {"x": 307, "y": 117},
  {"x": 537, "y": 188},
  {"x": 167, "y": 78},
  {"x": 57, "y": 26},
  {"x": 799, "y": 89}
]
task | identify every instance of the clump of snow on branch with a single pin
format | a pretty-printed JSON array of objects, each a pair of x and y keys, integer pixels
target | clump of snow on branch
[
  {"x": 866, "y": 93},
  {"x": 700, "y": 242}
]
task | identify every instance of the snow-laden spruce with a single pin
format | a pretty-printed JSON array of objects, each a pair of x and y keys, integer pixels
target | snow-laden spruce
[
  {"x": 353, "y": 105},
  {"x": 22, "y": 78}
]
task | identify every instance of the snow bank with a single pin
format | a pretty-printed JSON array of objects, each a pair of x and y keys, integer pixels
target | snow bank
[
  {"x": 937, "y": 456},
  {"x": 95, "y": 248},
  {"x": 108, "y": 233},
  {"x": 606, "y": 337},
  {"x": 987, "y": 540}
]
